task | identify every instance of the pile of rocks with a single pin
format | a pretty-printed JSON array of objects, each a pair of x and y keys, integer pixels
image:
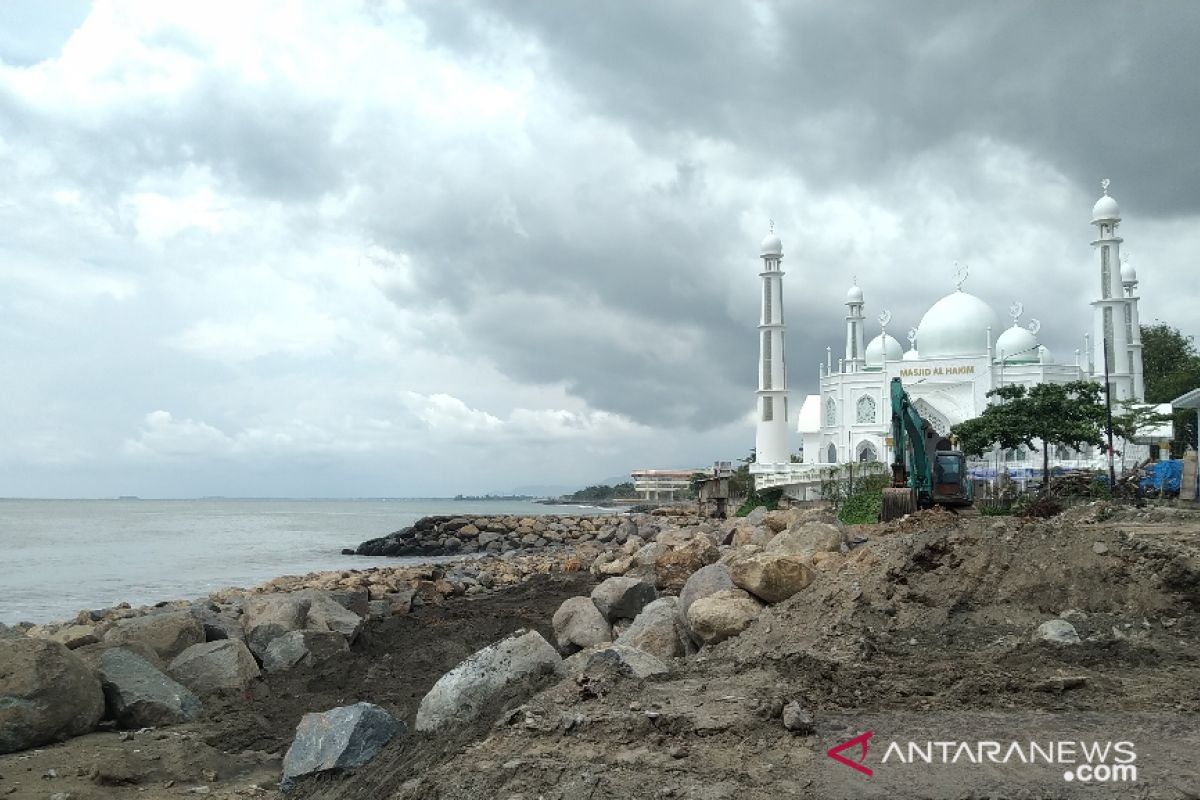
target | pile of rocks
[{"x": 447, "y": 536}]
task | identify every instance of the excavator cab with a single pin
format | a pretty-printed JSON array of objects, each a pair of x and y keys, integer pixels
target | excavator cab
[{"x": 951, "y": 483}]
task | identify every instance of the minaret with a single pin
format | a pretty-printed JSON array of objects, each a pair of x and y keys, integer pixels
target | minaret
[
  {"x": 771, "y": 439},
  {"x": 1133, "y": 328},
  {"x": 855, "y": 354},
  {"x": 1108, "y": 315}
]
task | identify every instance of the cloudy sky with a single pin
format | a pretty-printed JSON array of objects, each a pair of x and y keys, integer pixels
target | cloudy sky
[{"x": 407, "y": 249}]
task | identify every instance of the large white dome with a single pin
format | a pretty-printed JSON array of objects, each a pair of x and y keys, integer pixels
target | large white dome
[
  {"x": 956, "y": 325},
  {"x": 881, "y": 344},
  {"x": 1017, "y": 345}
]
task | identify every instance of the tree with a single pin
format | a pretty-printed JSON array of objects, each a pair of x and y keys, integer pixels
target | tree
[
  {"x": 1071, "y": 414},
  {"x": 1171, "y": 367},
  {"x": 1136, "y": 419}
]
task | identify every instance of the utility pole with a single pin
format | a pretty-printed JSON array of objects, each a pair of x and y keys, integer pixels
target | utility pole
[{"x": 1112, "y": 474}]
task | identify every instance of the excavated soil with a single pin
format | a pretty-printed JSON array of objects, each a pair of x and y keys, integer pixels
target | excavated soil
[{"x": 932, "y": 615}]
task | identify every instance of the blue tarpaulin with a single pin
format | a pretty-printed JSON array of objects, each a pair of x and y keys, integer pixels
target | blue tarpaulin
[{"x": 1162, "y": 476}]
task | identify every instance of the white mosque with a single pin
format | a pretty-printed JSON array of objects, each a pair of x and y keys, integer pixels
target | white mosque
[{"x": 955, "y": 356}]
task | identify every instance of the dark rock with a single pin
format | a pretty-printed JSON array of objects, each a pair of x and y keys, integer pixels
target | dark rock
[
  {"x": 797, "y": 719},
  {"x": 303, "y": 648},
  {"x": 46, "y": 693},
  {"x": 138, "y": 695},
  {"x": 219, "y": 666},
  {"x": 338, "y": 740},
  {"x": 623, "y": 597},
  {"x": 168, "y": 633}
]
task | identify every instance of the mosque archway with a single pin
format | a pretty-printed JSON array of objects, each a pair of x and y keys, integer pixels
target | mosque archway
[
  {"x": 867, "y": 452},
  {"x": 831, "y": 454}
]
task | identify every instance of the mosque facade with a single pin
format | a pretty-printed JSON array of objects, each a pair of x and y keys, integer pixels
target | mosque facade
[{"x": 954, "y": 357}]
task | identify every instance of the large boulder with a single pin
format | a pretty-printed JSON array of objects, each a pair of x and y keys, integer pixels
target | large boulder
[
  {"x": 46, "y": 693},
  {"x": 623, "y": 598},
  {"x": 807, "y": 539},
  {"x": 269, "y": 616},
  {"x": 726, "y": 613},
  {"x": 658, "y": 631},
  {"x": 772, "y": 577},
  {"x": 703, "y": 582},
  {"x": 674, "y": 567},
  {"x": 138, "y": 695},
  {"x": 218, "y": 623},
  {"x": 579, "y": 624},
  {"x": 218, "y": 666},
  {"x": 71, "y": 636},
  {"x": 303, "y": 648},
  {"x": 327, "y": 614},
  {"x": 338, "y": 740},
  {"x": 509, "y": 669},
  {"x": 626, "y": 661},
  {"x": 10, "y": 633},
  {"x": 167, "y": 633},
  {"x": 758, "y": 535}
]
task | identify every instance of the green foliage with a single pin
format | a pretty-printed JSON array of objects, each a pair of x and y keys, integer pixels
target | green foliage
[
  {"x": 1171, "y": 367},
  {"x": 855, "y": 491},
  {"x": 603, "y": 492},
  {"x": 997, "y": 510},
  {"x": 1071, "y": 414},
  {"x": 767, "y": 497}
]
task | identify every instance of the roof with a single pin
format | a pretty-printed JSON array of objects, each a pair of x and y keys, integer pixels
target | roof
[{"x": 1187, "y": 400}]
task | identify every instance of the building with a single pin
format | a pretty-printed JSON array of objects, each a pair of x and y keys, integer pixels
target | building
[
  {"x": 955, "y": 356},
  {"x": 663, "y": 484}
]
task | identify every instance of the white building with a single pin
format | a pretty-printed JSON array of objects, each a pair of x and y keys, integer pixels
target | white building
[{"x": 956, "y": 355}]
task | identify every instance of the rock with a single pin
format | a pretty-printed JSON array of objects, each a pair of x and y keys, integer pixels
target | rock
[
  {"x": 579, "y": 624},
  {"x": 222, "y": 665},
  {"x": 797, "y": 720},
  {"x": 674, "y": 567},
  {"x": 658, "y": 631},
  {"x": 327, "y": 614},
  {"x": 9, "y": 633},
  {"x": 138, "y": 695},
  {"x": 758, "y": 535},
  {"x": 703, "y": 583},
  {"x": 772, "y": 577},
  {"x": 303, "y": 648},
  {"x": 756, "y": 517},
  {"x": 352, "y": 599},
  {"x": 1099, "y": 548},
  {"x": 624, "y": 660},
  {"x": 269, "y": 616},
  {"x": 1058, "y": 631},
  {"x": 622, "y": 597},
  {"x": 72, "y": 636},
  {"x": 217, "y": 625},
  {"x": 46, "y": 693},
  {"x": 809, "y": 538},
  {"x": 167, "y": 634},
  {"x": 487, "y": 678},
  {"x": 338, "y": 740},
  {"x": 613, "y": 565},
  {"x": 723, "y": 614}
]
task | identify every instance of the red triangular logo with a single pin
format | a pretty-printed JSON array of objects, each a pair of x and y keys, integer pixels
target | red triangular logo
[{"x": 862, "y": 741}]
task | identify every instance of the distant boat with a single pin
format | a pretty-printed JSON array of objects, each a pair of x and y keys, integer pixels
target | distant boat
[{"x": 129, "y": 497}]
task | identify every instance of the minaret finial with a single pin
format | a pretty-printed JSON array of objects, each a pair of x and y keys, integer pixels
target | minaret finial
[
  {"x": 884, "y": 318},
  {"x": 1104, "y": 185},
  {"x": 1015, "y": 311},
  {"x": 960, "y": 275},
  {"x": 912, "y": 337},
  {"x": 1035, "y": 326},
  {"x": 770, "y": 226}
]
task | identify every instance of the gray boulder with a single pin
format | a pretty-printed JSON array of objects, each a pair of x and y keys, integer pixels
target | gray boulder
[
  {"x": 223, "y": 665},
  {"x": 217, "y": 624},
  {"x": 303, "y": 648},
  {"x": 138, "y": 695},
  {"x": 579, "y": 624},
  {"x": 807, "y": 539},
  {"x": 703, "y": 582},
  {"x": 657, "y": 630},
  {"x": 327, "y": 614},
  {"x": 269, "y": 616},
  {"x": 501, "y": 671},
  {"x": 627, "y": 661},
  {"x": 10, "y": 633},
  {"x": 338, "y": 740},
  {"x": 46, "y": 693},
  {"x": 625, "y": 597},
  {"x": 168, "y": 634},
  {"x": 721, "y": 615},
  {"x": 1058, "y": 631}
]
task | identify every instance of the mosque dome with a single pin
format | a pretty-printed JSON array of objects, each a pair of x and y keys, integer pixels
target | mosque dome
[
  {"x": 1044, "y": 355},
  {"x": 911, "y": 355},
  {"x": 1128, "y": 273},
  {"x": 854, "y": 295},
  {"x": 1017, "y": 345},
  {"x": 771, "y": 246},
  {"x": 1105, "y": 209},
  {"x": 883, "y": 346},
  {"x": 956, "y": 325}
]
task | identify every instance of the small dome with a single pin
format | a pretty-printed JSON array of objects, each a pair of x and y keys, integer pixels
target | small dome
[
  {"x": 771, "y": 246},
  {"x": 1017, "y": 346},
  {"x": 1105, "y": 210},
  {"x": 956, "y": 325},
  {"x": 854, "y": 295},
  {"x": 883, "y": 346},
  {"x": 1128, "y": 273},
  {"x": 1044, "y": 355},
  {"x": 912, "y": 355}
]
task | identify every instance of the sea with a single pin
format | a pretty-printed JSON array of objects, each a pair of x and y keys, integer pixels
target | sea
[{"x": 58, "y": 557}]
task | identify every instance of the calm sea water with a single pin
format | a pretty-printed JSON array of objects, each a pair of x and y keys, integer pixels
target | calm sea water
[{"x": 60, "y": 556}]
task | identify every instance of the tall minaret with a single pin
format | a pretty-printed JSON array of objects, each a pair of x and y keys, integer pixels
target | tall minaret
[
  {"x": 771, "y": 439},
  {"x": 1133, "y": 327},
  {"x": 855, "y": 359},
  {"x": 1108, "y": 315}
]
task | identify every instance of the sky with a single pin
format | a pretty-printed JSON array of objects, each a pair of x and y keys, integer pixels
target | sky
[{"x": 351, "y": 249}]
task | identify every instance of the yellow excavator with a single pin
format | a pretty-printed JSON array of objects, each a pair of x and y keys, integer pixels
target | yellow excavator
[{"x": 922, "y": 475}]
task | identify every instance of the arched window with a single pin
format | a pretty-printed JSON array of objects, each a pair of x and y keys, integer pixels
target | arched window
[
  {"x": 867, "y": 452},
  {"x": 866, "y": 409},
  {"x": 831, "y": 454},
  {"x": 830, "y": 412}
]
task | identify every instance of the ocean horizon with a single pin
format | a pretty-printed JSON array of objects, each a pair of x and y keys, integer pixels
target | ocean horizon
[{"x": 62, "y": 556}]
